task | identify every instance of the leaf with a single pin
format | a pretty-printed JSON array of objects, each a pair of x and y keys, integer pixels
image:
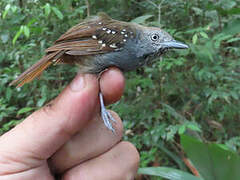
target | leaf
[
  {"x": 168, "y": 173},
  {"x": 198, "y": 11},
  {"x": 7, "y": 126},
  {"x": 194, "y": 38},
  {"x": 211, "y": 160},
  {"x": 57, "y": 12},
  {"x": 234, "y": 95},
  {"x": 7, "y": 8},
  {"x": 141, "y": 19},
  {"x": 182, "y": 129},
  {"x": 232, "y": 27},
  {"x": 173, "y": 112},
  {"x": 204, "y": 35},
  {"x": 233, "y": 40},
  {"x": 31, "y": 22},
  {"x": 24, "y": 110},
  {"x": 41, "y": 101},
  {"x": 26, "y": 31},
  {"x": 14, "y": 8},
  {"x": 2, "y": 56},
  {"x": 47, "y": 9},
  {"x": 8, "y": 93},
  {"x": 193, "y": 127},
  {"x": 233, "y": 11},
  {"x": 20, "y": 31}
]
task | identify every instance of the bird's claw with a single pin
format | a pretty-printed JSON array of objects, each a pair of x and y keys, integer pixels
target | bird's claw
[{"x": 106, "y": 115}]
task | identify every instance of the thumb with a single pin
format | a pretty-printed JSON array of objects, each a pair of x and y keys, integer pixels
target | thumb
[{"x": 47, "y": 129}]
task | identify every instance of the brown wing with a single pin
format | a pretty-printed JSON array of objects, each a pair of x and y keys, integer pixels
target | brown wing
[
  {"x": 86, "y": 28},
  {"x": 99, "y": 35}
]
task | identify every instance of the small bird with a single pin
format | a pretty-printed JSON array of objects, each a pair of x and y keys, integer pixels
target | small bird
[{"x": 100, "y": 42}]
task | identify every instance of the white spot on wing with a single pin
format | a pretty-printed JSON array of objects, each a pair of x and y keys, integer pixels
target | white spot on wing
[
  {"x": 113, "y": 45},
  {"x": 94, "y": 36}
]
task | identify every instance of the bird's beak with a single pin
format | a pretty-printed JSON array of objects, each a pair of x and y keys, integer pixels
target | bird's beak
[{"x": 174, "y": 45}]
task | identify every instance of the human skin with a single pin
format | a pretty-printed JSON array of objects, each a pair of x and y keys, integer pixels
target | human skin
[{"x": 67, "y": 138}]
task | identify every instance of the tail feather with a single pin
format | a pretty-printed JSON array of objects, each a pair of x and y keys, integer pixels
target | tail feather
[{"x": 36, "y": 69}]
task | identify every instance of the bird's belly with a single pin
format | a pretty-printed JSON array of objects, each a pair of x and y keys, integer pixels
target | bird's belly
[{"x": 123, "y": 60}]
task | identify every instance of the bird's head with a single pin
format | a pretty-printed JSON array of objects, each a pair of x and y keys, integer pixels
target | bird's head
[{"x": 156, "y": 41}]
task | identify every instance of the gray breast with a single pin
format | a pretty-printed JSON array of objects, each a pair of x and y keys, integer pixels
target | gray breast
[{"x": 128, "y": 58}]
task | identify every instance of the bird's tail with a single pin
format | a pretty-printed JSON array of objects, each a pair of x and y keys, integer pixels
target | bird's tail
[{"x": 36, "y": 69}]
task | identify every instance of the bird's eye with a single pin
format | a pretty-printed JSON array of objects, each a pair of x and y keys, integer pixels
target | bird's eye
[{"x": 155, "y": 37}]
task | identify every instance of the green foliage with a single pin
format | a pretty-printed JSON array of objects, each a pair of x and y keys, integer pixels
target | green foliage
[
  {"x": 168, "y": 173},
  {"x": 213, "y": 162},
  {"x": 195, "y": 91},
  {"x": 216, "y": 161}
]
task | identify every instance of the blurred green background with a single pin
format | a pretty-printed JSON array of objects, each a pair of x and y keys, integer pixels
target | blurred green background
[{"x": 194, "y": 91}]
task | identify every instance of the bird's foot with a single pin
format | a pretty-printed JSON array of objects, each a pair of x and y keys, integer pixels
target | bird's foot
[{"x": 106, "y": 115}]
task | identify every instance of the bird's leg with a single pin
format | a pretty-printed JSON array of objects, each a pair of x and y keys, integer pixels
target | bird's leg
[{"x": 106, "y": 115}]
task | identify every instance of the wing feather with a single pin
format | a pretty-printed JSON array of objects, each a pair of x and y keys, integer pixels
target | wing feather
[{"x": 98, "y": 35}]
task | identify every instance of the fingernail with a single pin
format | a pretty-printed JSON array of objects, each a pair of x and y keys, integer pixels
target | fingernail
[{"x": 78, "y": 83}]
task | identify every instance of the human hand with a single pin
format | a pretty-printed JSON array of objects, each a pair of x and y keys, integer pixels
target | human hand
[{"x": 67, "y": 137}]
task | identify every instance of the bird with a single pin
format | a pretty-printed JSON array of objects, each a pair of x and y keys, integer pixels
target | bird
[{"x": 100, "y": 42}]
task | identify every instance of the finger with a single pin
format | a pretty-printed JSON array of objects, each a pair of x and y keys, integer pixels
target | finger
[
  {"x": 43, "y": 132},
  {"x": 112, "y": 85},
  {"x": 96, "y": 138},
  {"x": 92, "y": 141},
  {"x": 121, "y": 162}
]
